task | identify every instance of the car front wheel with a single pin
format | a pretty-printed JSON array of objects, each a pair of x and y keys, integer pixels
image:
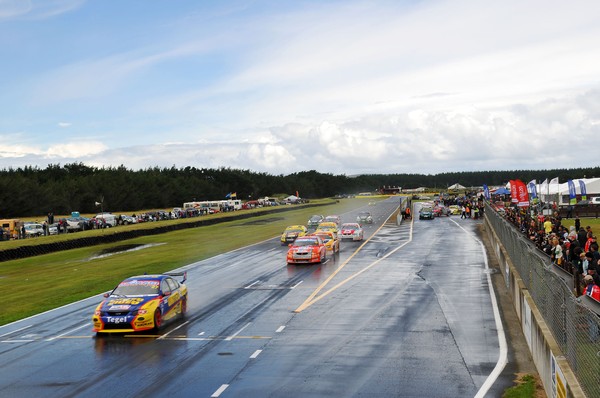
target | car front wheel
[
  {"x": 157, "y": 320},
  {"x": 324, "y": 256}
]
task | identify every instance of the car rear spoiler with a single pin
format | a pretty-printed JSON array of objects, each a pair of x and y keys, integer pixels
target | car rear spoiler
[{"x": 184, "y": 274}]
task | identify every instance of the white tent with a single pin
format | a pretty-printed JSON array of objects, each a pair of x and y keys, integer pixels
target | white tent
[
  {"x": 548, "y": 192},
  {"x": 456, "y": 186}
]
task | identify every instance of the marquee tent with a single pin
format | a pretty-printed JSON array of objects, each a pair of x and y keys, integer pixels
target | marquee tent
[
  {"x": 549, "y": 192},
  {"x": 502, "y": 191},
  {"x": 456, "y": 187}
]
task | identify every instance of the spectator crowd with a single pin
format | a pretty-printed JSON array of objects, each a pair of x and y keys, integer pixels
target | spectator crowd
[{"x": 573, "y": 248}]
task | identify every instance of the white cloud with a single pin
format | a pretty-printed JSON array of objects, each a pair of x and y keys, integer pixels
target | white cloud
[
  {"x": 350, "y": 87},
  {"x": 76, "y": 149},
  {"x": 36, "y": 9}
]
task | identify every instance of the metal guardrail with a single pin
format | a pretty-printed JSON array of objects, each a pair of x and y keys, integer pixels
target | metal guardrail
[{"x": 575, "y": 327}]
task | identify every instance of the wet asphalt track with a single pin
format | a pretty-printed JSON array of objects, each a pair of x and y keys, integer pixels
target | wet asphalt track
[{"x": 407, "y": 314}]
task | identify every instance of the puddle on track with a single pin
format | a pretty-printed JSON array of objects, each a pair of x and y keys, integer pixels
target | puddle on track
[{"x": 122, "y": 249}]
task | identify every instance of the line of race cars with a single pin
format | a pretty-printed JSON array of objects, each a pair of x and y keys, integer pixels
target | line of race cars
[
  {"x": 145, "y": 302},
  {"x": 429, "y": 210},
  {"x": 306, "y": 247}
]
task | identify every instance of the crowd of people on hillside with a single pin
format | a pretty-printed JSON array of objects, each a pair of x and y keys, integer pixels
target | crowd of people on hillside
[{"x": 574, "y": 249}]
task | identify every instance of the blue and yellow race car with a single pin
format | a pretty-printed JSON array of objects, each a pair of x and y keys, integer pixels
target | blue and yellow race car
[{"x": 141, "y": 303}]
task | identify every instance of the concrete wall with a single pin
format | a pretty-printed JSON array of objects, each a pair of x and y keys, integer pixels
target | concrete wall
[{"x": 557, "y": 376}]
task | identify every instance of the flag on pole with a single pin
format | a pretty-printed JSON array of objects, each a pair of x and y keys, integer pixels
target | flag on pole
[
  {"x": 583, "y": 190},
  {"x": 522, "y": 196},
  {"x": 552, "y": 182},
  {"x": 572, "y": 193},
  {"x": 532, "y": 189},
  {"x": 513, "y": 192},
  {"x": 233, "y": 195},
  {"x": 533, "y": 196},
  {"x": 486, "y": 191},
  {"x": 544, "y": 186}
]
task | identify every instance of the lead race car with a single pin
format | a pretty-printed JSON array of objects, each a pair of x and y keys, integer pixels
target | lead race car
[
  {"x": 141, "y": 303},
  {"x": 307, "y": 249}
]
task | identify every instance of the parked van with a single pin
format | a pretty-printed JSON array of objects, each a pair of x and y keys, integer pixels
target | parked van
[
  {"x": 109, "y": 219},
  {"x": 595, "y": 201},
  {"x": 10, "y": 228}
]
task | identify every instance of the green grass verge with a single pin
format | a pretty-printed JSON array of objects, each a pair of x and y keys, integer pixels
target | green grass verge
[
  {"x": 526, "y": 387},
  {"x": 40, "y": 283},
  {"x": 592, "y": 222}
]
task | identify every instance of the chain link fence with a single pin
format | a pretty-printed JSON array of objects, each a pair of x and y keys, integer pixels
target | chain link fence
[{"x": 575, "y": 327}]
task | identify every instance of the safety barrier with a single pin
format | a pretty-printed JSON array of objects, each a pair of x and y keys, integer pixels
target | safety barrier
[{"x": 563, "y": 334}]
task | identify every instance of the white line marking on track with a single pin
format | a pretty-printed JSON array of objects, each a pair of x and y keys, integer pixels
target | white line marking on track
[
  {"x": 201, "y": 334},
  {"x": 238, "y": 332},
  {"x": 256, "y": 353},
  {"x": 15, "y": 331},
  {"x": 280, "y": 329},
  {"x": 249, "y": 286},
  {"x": 219, "y": 391},
  {"x": 171, "y": 331},
  {"x": 293, "y": 287},
  {"x": 69, "y": 332}
]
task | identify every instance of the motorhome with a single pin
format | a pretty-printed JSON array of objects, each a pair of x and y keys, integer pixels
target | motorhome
[
  {"x": 235, "y": 204},
  {"x": 206, "y": 206},
  {"x": 10, "y": 228}
]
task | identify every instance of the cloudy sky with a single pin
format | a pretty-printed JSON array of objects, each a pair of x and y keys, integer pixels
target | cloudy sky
[{"x": 275, "y": 86}]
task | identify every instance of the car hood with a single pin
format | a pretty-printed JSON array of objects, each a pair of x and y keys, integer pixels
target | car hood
[
  {"x": 120, "y": 303},
  {"x": 302, "y": 249}
]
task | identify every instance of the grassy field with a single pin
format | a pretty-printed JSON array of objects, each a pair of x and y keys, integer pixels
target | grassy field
[
  {"x": 40, "y": 283},
  {"x": 592, "y": 222}
]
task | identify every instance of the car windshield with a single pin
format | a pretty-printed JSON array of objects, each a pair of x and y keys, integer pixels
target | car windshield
[
  {"x": 350, "y": 226},
  {"x": 306, "y": 242},
  {"x": 364, "y": 214},
  {"x": 315, "y": 218},
  {"x": 293, "y": 230},
  {"x": 137, "y": 287}
]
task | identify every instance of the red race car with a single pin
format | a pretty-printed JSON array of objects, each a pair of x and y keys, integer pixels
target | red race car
[{"x": 307, "y": 250}]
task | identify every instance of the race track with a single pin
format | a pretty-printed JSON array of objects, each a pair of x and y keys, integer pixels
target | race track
[{"x": 407, "y": 313}]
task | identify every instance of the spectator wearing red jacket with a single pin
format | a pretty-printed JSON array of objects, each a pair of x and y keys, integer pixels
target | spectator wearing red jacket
[{"x": 591, "y": 289}]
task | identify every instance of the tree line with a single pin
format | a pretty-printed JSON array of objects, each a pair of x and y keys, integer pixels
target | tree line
[{"x": 33, "y": 191}]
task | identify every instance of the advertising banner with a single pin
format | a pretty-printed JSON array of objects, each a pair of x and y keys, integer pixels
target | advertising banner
[
  {"x": 486, "y": 191},
  {"x": 572, "y": 193},
  {"x": 522, "y": 195},
  {"x": 513, "y": 191},
  {"x": 583, "y": 190}
]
